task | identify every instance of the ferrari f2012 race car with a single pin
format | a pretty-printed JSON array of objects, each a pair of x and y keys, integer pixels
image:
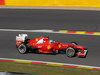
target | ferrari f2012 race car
[{"x": 44, "y": 45}]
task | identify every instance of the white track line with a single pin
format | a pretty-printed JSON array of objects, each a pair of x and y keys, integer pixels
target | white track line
[
  {"x": 18, "y": 30},
  {"x": 43, "y": 31}
]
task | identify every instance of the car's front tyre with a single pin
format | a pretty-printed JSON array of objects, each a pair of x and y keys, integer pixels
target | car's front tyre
[
  {"x": 74, "y": 43},
  {"x": 70, "y": 52}
]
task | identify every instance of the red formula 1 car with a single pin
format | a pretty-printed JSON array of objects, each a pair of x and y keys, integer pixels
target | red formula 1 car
[{"x": 44, "y": 45}]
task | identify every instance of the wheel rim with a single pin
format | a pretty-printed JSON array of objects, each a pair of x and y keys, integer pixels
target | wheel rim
[
  {"x": 70, "y": 52},
  {"x": 22, "y": 49}
]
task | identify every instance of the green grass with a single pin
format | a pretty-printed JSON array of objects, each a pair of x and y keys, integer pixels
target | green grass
[{"x": 44, "y": 69}]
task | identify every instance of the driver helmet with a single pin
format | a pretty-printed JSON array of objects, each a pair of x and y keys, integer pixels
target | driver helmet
[{"x": 51, "y": 41}]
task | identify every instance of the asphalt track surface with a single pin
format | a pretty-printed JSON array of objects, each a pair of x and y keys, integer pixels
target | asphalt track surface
[
  {"x": 50, "y": 19},
  {"x": 55, "y": 20}
]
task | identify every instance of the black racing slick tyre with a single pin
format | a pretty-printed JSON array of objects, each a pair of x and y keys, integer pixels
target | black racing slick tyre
[
  {"x": 70, "y": 52},
  {"x": 22, "y": 49},
  {"x": 74, "y": 43}
]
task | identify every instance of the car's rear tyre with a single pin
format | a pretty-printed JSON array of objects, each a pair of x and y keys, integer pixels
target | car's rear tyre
[
  {"x": 22, "y": 49},
  {"x": 70, "y": 52}
]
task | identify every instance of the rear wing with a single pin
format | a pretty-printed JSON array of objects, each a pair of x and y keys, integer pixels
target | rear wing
[{"x": 20, "y": 38}]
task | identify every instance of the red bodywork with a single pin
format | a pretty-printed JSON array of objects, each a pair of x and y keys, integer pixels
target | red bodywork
[{"x": 44, "y": 45}]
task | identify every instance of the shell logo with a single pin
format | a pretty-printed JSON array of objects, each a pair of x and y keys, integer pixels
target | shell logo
[
  {"x": 36, "y": 39},
  {"x": 59, "y": 46},
  {"x": 49, "y": 47}
]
